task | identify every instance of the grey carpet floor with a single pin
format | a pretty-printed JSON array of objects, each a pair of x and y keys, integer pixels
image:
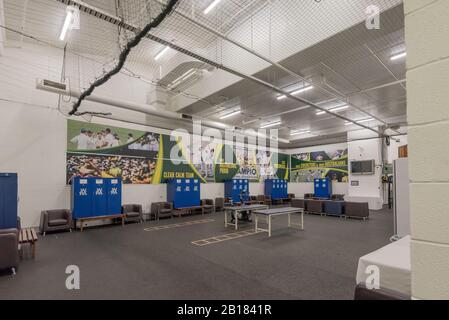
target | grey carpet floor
[{"x": 130, "y": 263}]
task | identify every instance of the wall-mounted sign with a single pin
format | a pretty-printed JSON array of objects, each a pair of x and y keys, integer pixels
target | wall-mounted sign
[{"x": 355, "y": 183}]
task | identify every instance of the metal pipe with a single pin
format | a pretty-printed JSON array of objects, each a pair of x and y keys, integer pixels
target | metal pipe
[{"x": 145, "y": 109}]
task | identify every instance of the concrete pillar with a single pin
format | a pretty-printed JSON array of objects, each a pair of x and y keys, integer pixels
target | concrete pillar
[{"x": 427, "y": 35}]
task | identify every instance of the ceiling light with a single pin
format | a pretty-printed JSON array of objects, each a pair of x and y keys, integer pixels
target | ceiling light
[
  {"x": 365, "y": 120},
  {"x": 304, "y": 89},
  {"x": 211, "y": 6},
  {"x": 182, "y": 78},
  {"x": 297, "y": 133},
  {"x": 67, "y": 22},
  {"x": 161, "y": 53},
  {"x": 398, "y": 56},
  {"x": 231, "y": 114},
  {"x": 337, "y": 109},
  {"x": 341, "y": 108},
  {"x": 269, "y": 125}
]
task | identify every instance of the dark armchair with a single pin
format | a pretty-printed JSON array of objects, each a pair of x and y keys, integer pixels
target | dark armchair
[
  {"x": 222, "y": 203},
  {"x": 208, "y": 205},
  {"x": 132, "y": 212},
  {"x": 262, "y": 199},
  {"x": 162, "y": 210},
  {"x": 55, "y": 220},
  {"x": 9, "y": 249}
]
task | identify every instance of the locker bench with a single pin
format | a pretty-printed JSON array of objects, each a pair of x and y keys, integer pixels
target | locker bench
[{"x": 109, "y": 217}]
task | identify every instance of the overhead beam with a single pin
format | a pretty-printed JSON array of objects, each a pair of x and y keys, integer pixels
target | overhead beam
[{"x": 91, "y": 10}]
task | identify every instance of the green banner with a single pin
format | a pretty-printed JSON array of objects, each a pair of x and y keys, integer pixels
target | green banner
[
  {"x": 139, "y": 157},
  {"x": 332, "y": 164}
]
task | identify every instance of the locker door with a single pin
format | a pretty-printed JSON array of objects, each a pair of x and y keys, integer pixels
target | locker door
[
  {"x": 100, "y": 197},
  {"x": 8, "y": 200},
  {"x": 81, "y": 198},
  {"x": 114, "y": 189}
]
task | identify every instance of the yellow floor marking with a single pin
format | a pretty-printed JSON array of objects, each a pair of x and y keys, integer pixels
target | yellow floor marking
[
  {"x": 225, "y": 237},
  {"x": 179, "y": 225}
]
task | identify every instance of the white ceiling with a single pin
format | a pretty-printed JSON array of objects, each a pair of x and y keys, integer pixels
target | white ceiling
[{"x": 352, "y": 60}]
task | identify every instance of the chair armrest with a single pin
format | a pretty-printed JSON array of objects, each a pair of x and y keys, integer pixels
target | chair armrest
[
  {"x": 69, "y": 217},
  {"x": 44, "y": 220}
]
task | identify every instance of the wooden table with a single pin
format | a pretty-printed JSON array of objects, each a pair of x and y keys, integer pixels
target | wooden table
[
  {"x": 28, "y": 236},
  {"x": 110, "y": 217},
  {"x": 188, "y": 210}
]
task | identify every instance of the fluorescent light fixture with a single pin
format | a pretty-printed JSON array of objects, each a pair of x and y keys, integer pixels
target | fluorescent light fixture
[
  {"x": 308, "y": 88},
  {"x": 211, "y": 6},
  {"x": 365, "y": 120},
  {"x": 161, "y": 53},
  {"x": 269, "y": 125},
  {"x": 297, "y": 133},
  {"x": 296, "y": 92},
  {"x": 398, "y": 56},
  {"x": 231, "y": 114},
  {"x": 337, "y": 109},
  {"x": 341, "y": 108},
  {"x": 182, "y": 78},
  {"x": 348, "y": 123},
  {"x": 67, "y": 22}
]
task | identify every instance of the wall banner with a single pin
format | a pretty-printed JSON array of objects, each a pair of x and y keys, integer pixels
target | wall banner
[
  {"x": 138, "y": 157},
  {"x": 331, "y": 163}
]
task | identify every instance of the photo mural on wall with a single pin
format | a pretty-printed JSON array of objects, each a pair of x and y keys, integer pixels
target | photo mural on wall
[
  {"x": 331, "y": 163},
  {"x": 139, "y": 157}
]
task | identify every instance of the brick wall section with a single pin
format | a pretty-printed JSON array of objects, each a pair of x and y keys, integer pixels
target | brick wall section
[{"x": 427, "y": 39}]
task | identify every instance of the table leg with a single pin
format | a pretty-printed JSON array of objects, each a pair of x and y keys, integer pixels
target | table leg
[
  {"x": 123, "y": 221},
  {"x": 236, "y": 220},
  {"x": 269, "y": 226},
  {"x": 226, "y": 218},
  {"x": 289, "y": 220},
  {"x": 302, "y": 220},
  {"x": 256, "y": 221}
]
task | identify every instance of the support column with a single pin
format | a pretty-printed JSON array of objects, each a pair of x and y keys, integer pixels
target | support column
[{"x": 426, "y": 33}]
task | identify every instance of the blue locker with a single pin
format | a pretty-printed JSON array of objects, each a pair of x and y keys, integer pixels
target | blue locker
[
  {"x": 82, "y": 191},
  {"x": 323, "y": 188},
  {"x": 114, "y": 190},
  {"x": 100, "y": 197},
  {"x": 276, "y": 188},
  {"x": 184, "y": 193},
  {"x": 8, "y": 200},
  {"x": 237, "y": 190}
]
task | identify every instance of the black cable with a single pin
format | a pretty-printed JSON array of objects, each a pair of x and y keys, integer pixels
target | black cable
[{"x": 124, "y": 54}]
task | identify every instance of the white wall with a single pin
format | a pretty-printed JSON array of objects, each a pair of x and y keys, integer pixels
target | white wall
[
  {"x": 33, "y": 131},
  {"x": 370, "y": 186},
  {"x": 393, "y": 149}
]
